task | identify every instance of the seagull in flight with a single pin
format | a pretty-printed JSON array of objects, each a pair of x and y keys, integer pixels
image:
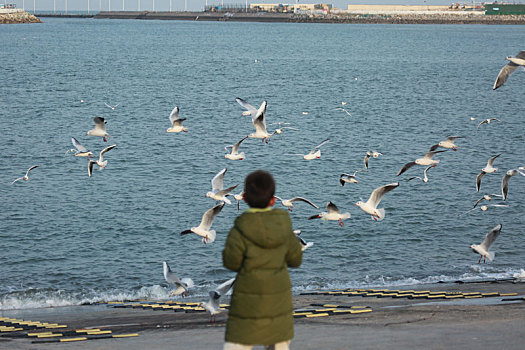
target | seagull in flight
[
  {"x": 176, "y": 122},
  {"x": 486, "y": 197},
  {"x": 509, "y": 68},
  {"x": 213, "y": 306},
  {"x": 250, "y": 110},
  {"x": 99, "y": 129},
  {"x": 81, "y": 151},
  {"x": 426, "y": 160},
  {"x": 111, "y": 107},
  {"x": 259, "y": 122},
  {"x": 448, "y": 143},
  {"x": 425, "y": 177},
  {"x": 100, "y": 162},
  {"x": 332, "y": 213},
  {"x": 234, "y": 154},
  {"x": 349, "y": 179},
  {"x": 488, "y": 169},
  {"x": 217, "y": 192},
  {"x": 505, "y": 182},
  {"x": 315, "y": 153},
  {"x": 26, "y": 176},
  {"x": 304, "y": 245},
  {"x": 369, "y": 154},
  {"x": 203, "y": 230},
  {"x": 488, "y": 121},
  {"x": 483, "y": 248},
  {"x": 371, "y": 204},
  {"x": 172, "y": 279},
  {"x": 288, "y": 203}
]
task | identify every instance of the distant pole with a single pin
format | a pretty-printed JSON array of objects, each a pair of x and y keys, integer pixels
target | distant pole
[
  {"x": 109, "y": 5},
  {"x": 88, "y": 7},
  {"x": 153, "y": 5},
  {"x": 246, "y": 5},
  {"x": 122, "y": 5},
  {"x": 138, "y": 6},
  {"x": 24, "y": 5},
  {"x": 55, "y": 6},
  {"x": 34, "y": 6},
  {"x": 170, "y": 5},
  {"x": 99, "y": 5},
  {"x": 206, "y": 6},
  {"x": 185, "y": 5},
  {"x": 66, "y": 7}
]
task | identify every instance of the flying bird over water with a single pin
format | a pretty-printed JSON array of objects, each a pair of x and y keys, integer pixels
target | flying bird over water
[
  {"x": 213, "y": 304},
  {"x": 509, "y": 68},
  {"x": 111, "y": 107},
  {"x": 483, "y": 248},
  {"x": 425, "y": 177},
  {"x": 234, "y": 154},
  {"x": 304, "y": 245},
  {"x": 239, "y": 197},
  {"x": 288, "y": 203},
  {"x": 99, "y": 129},
  {"x": 487, "y": 207},
  {"x": 182, "y": 286},
  {"x": 426, "y": 160},
  {"x": 100, "y": 162},
  {"x": 315, "y": 153},
  {"x": 488, "y": 121},
  {"x": 217, "y": 192},
  {"x": 203, "y": 230},
  {"x": 371, "y": 204},
  {"x": 488, "y": 169},
  {"x": 332, "y": 213},
  {"x": 81, "y": 150},
  {"x": 176, "y": 122},
  {"x": 371, "y": 154},
  {"x": 448, "y": 143},
  {"x": 486, "y": 197},
  {"x": 505, "y": 182},
  {"x": 250, "y": 110},
  {"x": 349, "y": 179},
  {"x": 259, "y": 122},
  {"x": 26, "y": 176}
]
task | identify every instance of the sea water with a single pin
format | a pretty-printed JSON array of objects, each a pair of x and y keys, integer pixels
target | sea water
[{"x": 66, "y": 238}]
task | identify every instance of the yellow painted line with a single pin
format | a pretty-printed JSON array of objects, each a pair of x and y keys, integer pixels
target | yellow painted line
[
  {"x": 35, "y": 334},
  {"x": 507, "y": 294},
  {"x": 49, "y": 335},
  {"x": 126, "y": 335},
  {"x": 473, "y": 296},
  {"x": 490, "y": 294},
  {"x": 360, "y": 311},
  {"x": 73, "y": 339},
  {"x": 99, "y": 332},
  {"x": 436, "y": 296},
  {"x": 115, "y": 302},
  {"x": 82, "y": 330},
  {"x": 317, "y": 315},
  {"x": 330, "y": 305},
  {"x": 324, "y": 310},
  {"x": 453, "y": 296},
  {"x": 302, "y": 313}
]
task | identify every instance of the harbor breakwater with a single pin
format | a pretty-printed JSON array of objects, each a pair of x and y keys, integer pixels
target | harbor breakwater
[
  {"x": 394, "y": 18},
  {"x": 8, "y": 16}
]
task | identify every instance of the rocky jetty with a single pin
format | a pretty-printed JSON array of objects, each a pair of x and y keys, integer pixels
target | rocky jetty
[{"x": 18, "y": 17}]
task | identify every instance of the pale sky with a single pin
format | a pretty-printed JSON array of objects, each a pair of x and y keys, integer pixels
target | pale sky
[{"x": 178, "y": 5}]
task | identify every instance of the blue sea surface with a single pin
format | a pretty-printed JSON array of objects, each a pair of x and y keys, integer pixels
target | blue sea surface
[{"x": 66, "y": 238}]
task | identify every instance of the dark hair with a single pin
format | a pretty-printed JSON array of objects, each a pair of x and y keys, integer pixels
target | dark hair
[{"x": 259, "y": 189}]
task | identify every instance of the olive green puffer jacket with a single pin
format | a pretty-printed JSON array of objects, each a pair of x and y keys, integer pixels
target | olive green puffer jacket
[{"x": 260, "y": 247}]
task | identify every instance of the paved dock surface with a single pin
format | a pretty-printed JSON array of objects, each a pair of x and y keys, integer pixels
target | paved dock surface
[{"x": 400, "y": 322}]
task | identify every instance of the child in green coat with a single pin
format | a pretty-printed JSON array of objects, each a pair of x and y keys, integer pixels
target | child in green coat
[{"x": 260, "y": 247}]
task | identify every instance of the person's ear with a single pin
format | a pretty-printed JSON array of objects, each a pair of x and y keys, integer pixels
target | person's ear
[{"x": 272, "y": 202}]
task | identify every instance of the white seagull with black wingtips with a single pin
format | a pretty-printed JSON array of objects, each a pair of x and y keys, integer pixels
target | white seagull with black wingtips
[
  {"x": 488, "y": 169},
  {"x": 426, "y": 161},
  {"x": 505, "y": 182},
  {"x": 332, "y": 213},
  {"x": 371, "y": 204},
  {"x": 213, "y": 305},
  {"x": 99, "y": 129},
  {"x": 288, "y": 203},
  {"x": 483, "y": 248},
  {"x": 509, "y": 68},
  {"x": 176, "y": 122},
  {"x": 217, "y": 192},
  {"x": 100, "y": 162},
  {"x": 203, "y": 230},
  {"x": 26, "y": 176},
  {"x": 235, "y": 155}
]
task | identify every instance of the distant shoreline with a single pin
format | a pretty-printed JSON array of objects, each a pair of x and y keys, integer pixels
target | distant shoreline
[{"x": 467, "y": 18}]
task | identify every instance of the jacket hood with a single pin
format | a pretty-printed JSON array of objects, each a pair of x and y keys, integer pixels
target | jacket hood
[{"x": 266, "y": 229}]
